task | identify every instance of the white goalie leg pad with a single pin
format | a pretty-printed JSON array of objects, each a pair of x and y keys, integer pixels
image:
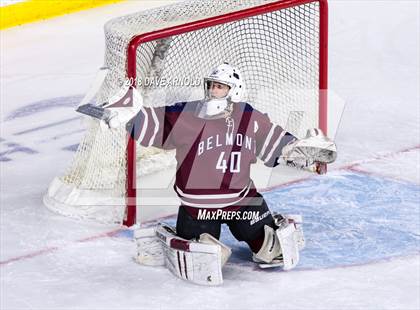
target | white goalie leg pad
[
  {"x": 281, "y": 247},
  {"x": 299, "y": 237},
  {"x": 289, "y": 237},
  {"x": 149, "y": 248},
  {"x": 226, "y": 251},
  {"x": 197, "y": 262},
  {"x": 270, "y": 251},
  {"x": 288, "y": 245}
]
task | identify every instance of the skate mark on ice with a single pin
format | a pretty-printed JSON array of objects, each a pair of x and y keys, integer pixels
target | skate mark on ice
[
  {"x": 71, "y": 148},
  {"x": 48, "y": 130},
  {"x": 12, "y": 148},
  {"x": 34, "y": 112},
  {"x": 59, "y": 136},
  {"x": 43, "y": 106},
  {"x": 47, "y": 126}
]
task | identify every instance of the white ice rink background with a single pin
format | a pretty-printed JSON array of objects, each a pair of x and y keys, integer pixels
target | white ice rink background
[{"x": 362, "y": 219}]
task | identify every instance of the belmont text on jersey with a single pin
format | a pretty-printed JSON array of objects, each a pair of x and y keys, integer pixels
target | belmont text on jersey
[{"x": 228, "y": 139}]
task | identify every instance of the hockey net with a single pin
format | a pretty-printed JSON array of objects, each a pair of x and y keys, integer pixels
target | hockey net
[{"x": 280, "y": 47}]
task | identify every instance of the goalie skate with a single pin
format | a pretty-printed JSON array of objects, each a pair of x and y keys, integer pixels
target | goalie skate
[{"x": 279, "y": 263}]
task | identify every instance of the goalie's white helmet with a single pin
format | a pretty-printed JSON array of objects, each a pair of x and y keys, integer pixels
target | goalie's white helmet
[{"x": 228, "y": 75}]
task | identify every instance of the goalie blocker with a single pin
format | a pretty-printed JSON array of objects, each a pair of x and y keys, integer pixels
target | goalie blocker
[{"x": 118, "y": 111}]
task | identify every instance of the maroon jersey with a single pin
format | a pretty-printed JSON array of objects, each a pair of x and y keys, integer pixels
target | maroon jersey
[{"x": 214, "y": 156}]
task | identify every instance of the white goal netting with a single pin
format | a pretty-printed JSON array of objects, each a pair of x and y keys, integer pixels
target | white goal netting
[{"x": 277, "y": 52}]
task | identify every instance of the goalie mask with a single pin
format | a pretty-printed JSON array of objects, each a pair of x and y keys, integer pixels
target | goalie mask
[{"x": 227, "y": 75}]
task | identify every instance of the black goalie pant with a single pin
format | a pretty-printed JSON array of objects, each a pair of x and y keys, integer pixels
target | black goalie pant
[{"x": 241, "y": 226}]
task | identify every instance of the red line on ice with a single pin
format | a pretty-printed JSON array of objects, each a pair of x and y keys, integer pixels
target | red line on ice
[
  {"x": 378, "y": 157},
  {"x": 55, "y": 248}
]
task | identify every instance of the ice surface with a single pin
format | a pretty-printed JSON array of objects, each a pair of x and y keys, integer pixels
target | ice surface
[{"x": 361, "y": 220}]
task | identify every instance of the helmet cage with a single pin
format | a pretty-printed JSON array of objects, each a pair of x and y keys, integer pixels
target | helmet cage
[{"x": 208, "y": 80}]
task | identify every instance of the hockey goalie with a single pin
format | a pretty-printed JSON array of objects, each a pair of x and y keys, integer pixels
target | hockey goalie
[{"x": 217, "y": 139}]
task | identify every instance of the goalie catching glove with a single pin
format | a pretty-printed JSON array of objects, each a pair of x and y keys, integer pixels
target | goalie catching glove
[{"x": 314, "y": 148}]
